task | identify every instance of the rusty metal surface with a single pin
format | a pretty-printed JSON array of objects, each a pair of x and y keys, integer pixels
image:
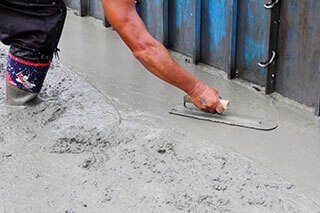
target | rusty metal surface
[
  {"x": 252, "y": 40},
  {"x": 299, "y": 46}
]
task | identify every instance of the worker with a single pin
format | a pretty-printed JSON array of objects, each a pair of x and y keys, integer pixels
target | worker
[{"x": 33, "y": 28}]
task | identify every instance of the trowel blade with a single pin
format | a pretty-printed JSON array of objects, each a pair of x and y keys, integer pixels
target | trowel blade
[{"x": 227, "y": 118}]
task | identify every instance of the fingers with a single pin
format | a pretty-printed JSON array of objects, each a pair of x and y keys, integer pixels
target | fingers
[
  {"x": 219, "y": 109},
  {"x": 208, "y": 100},
  {"x": 212, "y": 110},
  {"x": 213, "y": 107}
]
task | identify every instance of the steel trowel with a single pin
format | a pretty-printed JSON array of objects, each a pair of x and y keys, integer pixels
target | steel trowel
[{"x": 188, "y": 109}]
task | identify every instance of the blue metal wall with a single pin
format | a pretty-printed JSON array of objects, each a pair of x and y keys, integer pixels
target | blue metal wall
[
  {"x": 218, "y": 28},
  {"x": 252, "y": 40},
  {"x": 74, "y": 4},
  {"x": 155, "y": 16},
  {"x": 235, "y": 35},
  {"x": 299, "y": 48},
  {"x": 95, "y": 9},
  {"x": 87, "y": 7},
  {"x": 182, "y": 25}
]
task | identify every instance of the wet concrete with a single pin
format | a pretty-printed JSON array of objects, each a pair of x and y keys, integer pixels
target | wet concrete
[
  {"x": 115, "y": 147},
  {"x": 292, "y": 150}
]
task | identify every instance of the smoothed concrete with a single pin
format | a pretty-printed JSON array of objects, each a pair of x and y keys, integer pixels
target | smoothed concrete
[
  {"x": 292, "y": 150},
  {"x": 75, "y": 151},
  {"x": 118, "y": 150}
]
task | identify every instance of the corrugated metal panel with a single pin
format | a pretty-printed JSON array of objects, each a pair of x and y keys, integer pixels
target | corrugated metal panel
[
  {"x": 217, "y": 32},
  {"x": 317, "y": 111},
  {"x": 154, "y": 15},
  {"x": 299, "y": 43},
  {"x": 182, "y": 26},
  {"x": 252, "y": 40},
  {"x": 74, "y": 4},
  {"x": 95, "y": 9},
  {"x": 81, "y": 6},
  {"x": 236, "y": 34}
]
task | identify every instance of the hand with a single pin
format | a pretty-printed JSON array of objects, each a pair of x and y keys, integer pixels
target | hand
[{"x": 206, "y": 98}]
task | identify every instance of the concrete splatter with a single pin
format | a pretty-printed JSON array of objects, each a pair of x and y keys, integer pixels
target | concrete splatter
[{"x": 71, "y": 153}]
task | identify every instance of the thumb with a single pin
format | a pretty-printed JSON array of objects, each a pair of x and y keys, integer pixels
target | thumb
[{"x": 219, "y": 109}]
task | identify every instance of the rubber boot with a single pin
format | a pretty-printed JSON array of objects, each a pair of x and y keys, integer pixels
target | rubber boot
[
  {"x": 24, "y": 78},
  {"x": 18, "y": 97}
]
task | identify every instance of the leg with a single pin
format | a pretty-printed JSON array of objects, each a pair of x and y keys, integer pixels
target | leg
[
  {"x": 33, "y": 40},
  {"x": 24, "y": 78}
]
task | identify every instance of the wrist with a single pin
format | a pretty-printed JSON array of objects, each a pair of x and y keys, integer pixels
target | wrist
[{"x": 197, "y": 88}]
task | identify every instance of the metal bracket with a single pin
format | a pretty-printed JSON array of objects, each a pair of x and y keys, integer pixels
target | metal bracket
[
  {"x": 265, "y": 64},
  {"x": 271, "y": 66},
  {"x": 271, "y": 4}
]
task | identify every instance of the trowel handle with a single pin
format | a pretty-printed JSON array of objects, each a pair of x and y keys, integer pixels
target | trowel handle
[{"x": 224, "y": 103}]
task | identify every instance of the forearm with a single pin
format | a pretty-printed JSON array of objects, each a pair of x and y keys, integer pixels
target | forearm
[
  {"x": 152, "y": 54},
  {"x": 156, "y": 58}
]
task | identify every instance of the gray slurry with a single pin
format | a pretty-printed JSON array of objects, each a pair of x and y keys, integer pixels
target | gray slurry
[
  {"x": 292, "y": 150},
  {"x": 117, "y": 149}
]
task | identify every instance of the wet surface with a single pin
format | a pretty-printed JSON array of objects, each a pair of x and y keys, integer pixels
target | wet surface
[
  {"x": 292, "y": 150},
  {"x": 115, "y": 147}
]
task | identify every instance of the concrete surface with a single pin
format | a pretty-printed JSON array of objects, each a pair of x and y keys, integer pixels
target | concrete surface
[
  {"x": 113, "y": 147},
  {"x": 293, "y": 150}
]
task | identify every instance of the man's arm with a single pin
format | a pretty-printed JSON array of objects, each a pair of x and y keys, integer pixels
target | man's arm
[{"x": 154, "y": 56}]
